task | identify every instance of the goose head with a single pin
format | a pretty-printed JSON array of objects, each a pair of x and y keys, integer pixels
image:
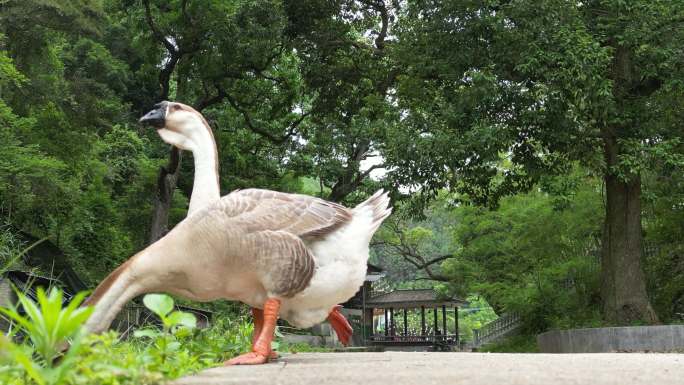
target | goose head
[{"x": 179, "y": 125}]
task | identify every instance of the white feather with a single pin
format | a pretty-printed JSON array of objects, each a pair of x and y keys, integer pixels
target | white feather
[{"x": 341, "y": 260}]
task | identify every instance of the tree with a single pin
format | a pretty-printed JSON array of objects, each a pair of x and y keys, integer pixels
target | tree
[
  {"x": 543, "y": 84},
  {"x": 346, "y": 62},
  {"x": 60, "y": 92},
  {"x": 216, "y": 54},
  {"x": 414, "y": 250},
  {"x": 299, "y": 91},
  {"x": 535, "y": 255},
  {"x": 664, "y": 251}
]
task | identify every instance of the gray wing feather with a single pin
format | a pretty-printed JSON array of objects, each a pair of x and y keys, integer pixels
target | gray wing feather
[
  {"x": 301, "y": 215},
  {"x": 284, "y": 263},
  {"x": 274, "y": 227}
]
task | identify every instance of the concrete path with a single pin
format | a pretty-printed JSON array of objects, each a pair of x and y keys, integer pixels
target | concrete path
[{"x": 398, "y": 368}]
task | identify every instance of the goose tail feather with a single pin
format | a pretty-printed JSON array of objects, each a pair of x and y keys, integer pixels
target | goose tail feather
[{"x": 378, "y": 205}]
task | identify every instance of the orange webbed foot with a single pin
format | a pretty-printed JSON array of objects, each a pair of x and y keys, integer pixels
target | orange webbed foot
[
  {"x": 251, "y": 358},
  {"x": 261, "y": 346},
  {"x": 340, "y": 324}
]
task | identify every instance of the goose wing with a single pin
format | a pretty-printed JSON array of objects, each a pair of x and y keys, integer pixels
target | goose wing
[
  {"x": 283, "y": 262},
  {"x": 269, "y": 231},
  {"x": 304, "y": 216}
]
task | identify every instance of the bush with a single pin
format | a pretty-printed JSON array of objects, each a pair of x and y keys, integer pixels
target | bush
[
  {"x": 152, "y": 356},
  {"x": 48, "y": 328}
]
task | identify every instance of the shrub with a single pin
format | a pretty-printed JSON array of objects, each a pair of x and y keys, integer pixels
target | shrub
[{"x": 48, "y": 327}]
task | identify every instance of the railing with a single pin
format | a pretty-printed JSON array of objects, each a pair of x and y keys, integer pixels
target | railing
[
  {"x": 443, "y": 339},
  {"x": 498, "y": 328}
]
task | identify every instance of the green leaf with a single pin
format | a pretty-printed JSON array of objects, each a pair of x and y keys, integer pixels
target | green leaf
[
  {"x": 149, "y": 333},
  {"x": 179, "y": 318},
  {"x": 173, "y": 346},
  {"x": 182, "y": 332},
  {"x": 160, "y": 304},
  {"x": 14, "y": 316}
]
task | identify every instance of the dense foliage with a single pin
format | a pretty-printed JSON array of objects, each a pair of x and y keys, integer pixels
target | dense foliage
[
  {"x": 528, "y": 145},
  {"x": 537, "y": 255},
  {"x": 288, "y": 87},
  {"x": 545, "y": 84}
]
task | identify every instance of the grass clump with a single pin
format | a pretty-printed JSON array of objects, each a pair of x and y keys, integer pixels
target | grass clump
[{"x": 34, "y": 350}]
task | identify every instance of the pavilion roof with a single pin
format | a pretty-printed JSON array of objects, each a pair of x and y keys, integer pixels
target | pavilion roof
[
  {"x": 413, "y": 298},
  {"x": 371, "y": 268}
]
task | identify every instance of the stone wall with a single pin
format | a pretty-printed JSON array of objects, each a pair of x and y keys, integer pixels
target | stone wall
[
  {"x": 7, "y": 297},
  {"x": 6, "y": 293},
  {"x": 664, "y": 338}
]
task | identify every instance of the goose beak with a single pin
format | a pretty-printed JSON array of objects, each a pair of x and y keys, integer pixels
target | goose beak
[{"x": 156, "y": 117}]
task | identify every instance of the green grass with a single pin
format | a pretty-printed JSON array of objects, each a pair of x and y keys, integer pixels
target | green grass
[
  {"x": 514, "y": 344},
  {"x": 151, "y": 356}
]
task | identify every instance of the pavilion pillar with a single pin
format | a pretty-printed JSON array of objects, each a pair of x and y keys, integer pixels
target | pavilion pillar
[
  {"x": 444, "y": 322},
  {"x": 393, "y": 325},
  {"x": 386, "y": 323},
  {"x": 369, "y": 325},
  {"x": 405, "y": 324},
  {"x": 422, "y": 320},
  {"x": 434, "y": 313},
  {"x": 456, "y": 323},
  {"x": 365, "y": 330}
]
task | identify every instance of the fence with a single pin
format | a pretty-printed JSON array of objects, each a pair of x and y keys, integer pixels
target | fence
[{"x": 500, "y": 327}]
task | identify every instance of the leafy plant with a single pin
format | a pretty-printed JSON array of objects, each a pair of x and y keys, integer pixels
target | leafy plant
[
  {"x": 162, "y": 306},
  {"x": 50, "y": 328},
  {"x": 226, "y": 338},
  {"x": 175, "y": 326}
]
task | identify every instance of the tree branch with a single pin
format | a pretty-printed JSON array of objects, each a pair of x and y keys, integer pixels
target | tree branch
[
  {"x": 365, "y": 174},
  {"x": 210, "y": 101},
  {"x": 413, "y": 256},
  {"x": 222, "y": 94},
  {"x": 381, "y": 8},
  {"x": 384, "y": 17},
  {"x": 174, "y": 54},
  {"x": 258, "y": 130},
  {"x": 155, "y": 30},
  {"x": 435, "y": 260},
  {"x": 184, "y": 11},
  {"x": 428, "y": 271}
]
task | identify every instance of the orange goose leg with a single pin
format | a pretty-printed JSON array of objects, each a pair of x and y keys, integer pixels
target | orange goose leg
[
  {"x": 258, "y": 316},
  {"x": 340, "y": 325},
  {"x": 261, "y": 351}
]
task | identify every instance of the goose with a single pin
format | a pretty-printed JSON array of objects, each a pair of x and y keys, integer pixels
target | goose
[
  {"x": 189, "y": 131},
  {"x": 291, "y": 256}
]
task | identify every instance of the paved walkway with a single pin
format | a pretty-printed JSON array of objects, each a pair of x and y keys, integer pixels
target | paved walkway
[{"x": 399, "y": 368}]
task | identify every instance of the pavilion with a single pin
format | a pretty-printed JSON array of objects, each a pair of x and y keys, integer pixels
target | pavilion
[
  {"x": 408, "y": 318},
  {"x": 386, "y": 317}
]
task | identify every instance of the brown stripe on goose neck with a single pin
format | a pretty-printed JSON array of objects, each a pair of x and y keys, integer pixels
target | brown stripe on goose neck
[{"x": 107, "y": 283}]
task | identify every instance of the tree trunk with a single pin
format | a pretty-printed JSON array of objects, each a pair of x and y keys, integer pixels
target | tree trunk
[
  {"x": 166, "y": 184},
  {"x": 623, "y": 286}
]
